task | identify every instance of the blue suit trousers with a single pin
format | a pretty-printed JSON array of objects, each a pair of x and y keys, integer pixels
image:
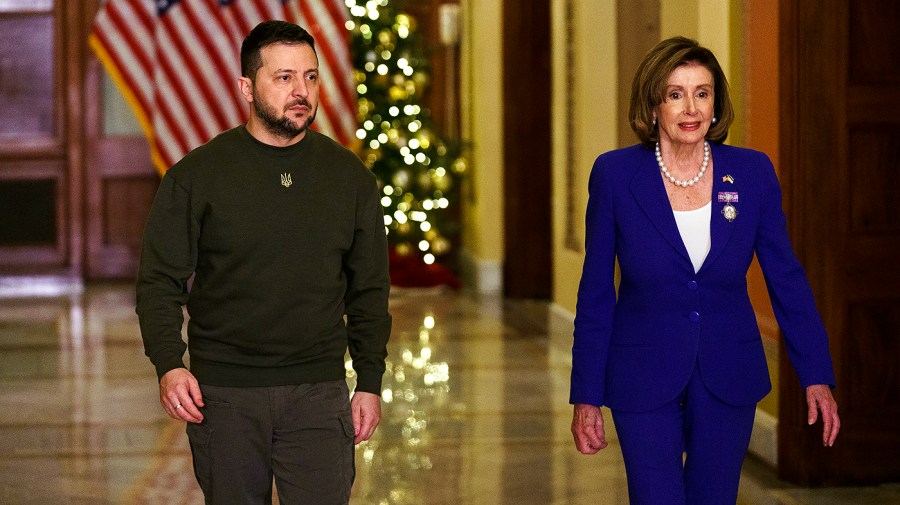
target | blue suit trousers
[{"x": 687, "y": 452}]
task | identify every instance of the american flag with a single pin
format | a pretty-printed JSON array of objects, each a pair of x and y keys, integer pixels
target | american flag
[{"x": 177, "y": 63}]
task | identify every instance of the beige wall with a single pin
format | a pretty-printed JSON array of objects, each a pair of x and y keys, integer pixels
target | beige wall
[
  {"x": 716, "y": 24},
  {"x": 595, "y": 115},
  {"x": 481, "y": 102}
]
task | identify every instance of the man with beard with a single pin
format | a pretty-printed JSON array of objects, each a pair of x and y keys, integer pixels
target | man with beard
[{"x": 282, "y": 231}]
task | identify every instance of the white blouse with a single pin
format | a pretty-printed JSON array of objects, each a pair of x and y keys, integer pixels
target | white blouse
[{"x": 693, "y": 225}]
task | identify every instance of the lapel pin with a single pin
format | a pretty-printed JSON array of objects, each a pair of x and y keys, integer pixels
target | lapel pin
[
  {"x": 729, "y": 197},
  {"x": 728, "y": 178}
]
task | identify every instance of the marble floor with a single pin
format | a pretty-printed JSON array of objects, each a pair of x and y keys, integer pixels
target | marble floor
[{"x": 475, "y": 412}]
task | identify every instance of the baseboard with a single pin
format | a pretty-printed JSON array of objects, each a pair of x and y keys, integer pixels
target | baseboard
[
  {"x": 561, "y": 323},
  {"x": 764, "y": 440},
  {"x": 483, "y": 276},
  {"x": 40, "y": 286}
]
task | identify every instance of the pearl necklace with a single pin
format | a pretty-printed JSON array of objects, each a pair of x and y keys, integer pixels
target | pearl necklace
[{"x": 689, "y": 182}]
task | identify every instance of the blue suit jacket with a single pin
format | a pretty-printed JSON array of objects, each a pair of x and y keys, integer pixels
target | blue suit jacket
[{"x": 638, "y": 352}]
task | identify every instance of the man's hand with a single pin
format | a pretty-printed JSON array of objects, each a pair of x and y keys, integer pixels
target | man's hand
[
  {"x": 179, "y": 395},
  {"x": 587, "y": 428},
  {"x": 819, "y": 398},
  {"x": 366, "y": 409}
]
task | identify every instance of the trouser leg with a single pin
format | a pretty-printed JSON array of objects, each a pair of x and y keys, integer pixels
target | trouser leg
[
  {"x": 652, "y": 448},
  {"x": 312, "y": 444},
  {"x": 717, "y": 437},
  {"x": 688, "y": 451},
  {"x": 231, "y": 447}
]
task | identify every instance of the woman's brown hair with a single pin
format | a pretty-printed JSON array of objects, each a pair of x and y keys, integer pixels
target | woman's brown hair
[{"x": 648, "y": 89}]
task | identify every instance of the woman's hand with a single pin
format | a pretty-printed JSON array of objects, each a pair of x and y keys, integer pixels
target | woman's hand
[
  {"x": 587, "y": 428},
  {"x": 819, "y": 398}
]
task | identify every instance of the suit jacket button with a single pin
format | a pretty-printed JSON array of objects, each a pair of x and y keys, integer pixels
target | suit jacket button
[
  {"x": 692, "y": 286},
  {"x": 694, "y": 316}
]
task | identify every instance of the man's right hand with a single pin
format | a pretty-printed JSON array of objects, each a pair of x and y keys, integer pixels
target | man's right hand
[{"x": 179, "y": 395}]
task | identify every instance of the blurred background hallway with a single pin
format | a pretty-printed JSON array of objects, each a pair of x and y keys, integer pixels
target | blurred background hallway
[
  {"x": 481, "y": 120},
  {"x": 475, "y": 412}
]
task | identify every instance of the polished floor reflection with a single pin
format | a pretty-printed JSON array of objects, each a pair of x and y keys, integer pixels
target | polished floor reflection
[{"x": 475, "y": 412}]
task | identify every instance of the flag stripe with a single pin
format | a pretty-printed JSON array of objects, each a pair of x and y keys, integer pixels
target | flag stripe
[
  {"x": 272, "y": 9},
  {"x": 229, "y": 44},
  {"x": 215, "y": 65},
  {"x": 237, "y": 21},
  {"x": 177, "y": 63},
  {"x": 196, "y": 99},
  {"x": 342, "y": 65},
  {"x": 332, "y": 104},
  {"x": 336, "y": 30},
  {"x": 330, "y": 57},
  {"x": 112, "y": 68},
  {"x": 125, "y": 64},
  {"x": 172, "y": 115},
  {"x": 247, "y": 10},
  {"x": 144, "y": 67},
  {"x": 325, "y": 119},
  {"x": 169, "y": 81},
  {"x": 135, "y": 47},
  {"x": 329, "y": 28}
]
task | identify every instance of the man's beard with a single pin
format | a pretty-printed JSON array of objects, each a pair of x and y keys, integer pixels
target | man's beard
[{"x": 281, "y": 126}]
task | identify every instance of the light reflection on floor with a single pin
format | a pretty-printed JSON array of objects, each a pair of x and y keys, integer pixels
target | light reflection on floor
[{"x": 475, "y": 412}]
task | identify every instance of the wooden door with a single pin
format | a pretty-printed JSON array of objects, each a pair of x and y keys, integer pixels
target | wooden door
[
  {"x": 120, "y": 178},
  {"x": 38, "y": 138},
  {"x": 121, "y": 183},
  {"x": 840, "y": 138},
  {"x": 527, "y": 177}
]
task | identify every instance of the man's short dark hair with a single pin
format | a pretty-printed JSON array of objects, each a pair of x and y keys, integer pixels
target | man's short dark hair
[{"x": 266, "y": 33}]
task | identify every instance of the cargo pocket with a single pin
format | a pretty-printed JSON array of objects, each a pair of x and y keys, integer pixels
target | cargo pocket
[
  {"x": 201, "y": 453},
  {"x": 348, "y": 466}
]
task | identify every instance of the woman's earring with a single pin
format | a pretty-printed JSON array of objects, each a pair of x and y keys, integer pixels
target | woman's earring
[
  {"x": 654, "y": 121},
  {"x": 715, "y": 120}
]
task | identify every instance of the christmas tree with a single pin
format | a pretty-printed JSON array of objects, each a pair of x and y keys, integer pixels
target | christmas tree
[{"x": 417, "y": 169}]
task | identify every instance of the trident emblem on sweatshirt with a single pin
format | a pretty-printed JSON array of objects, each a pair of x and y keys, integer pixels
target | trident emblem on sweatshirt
[{"x": 286, "y": 180}]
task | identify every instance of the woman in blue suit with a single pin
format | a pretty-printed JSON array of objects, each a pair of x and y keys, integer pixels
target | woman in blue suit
[{"x": 677, "y": 355}]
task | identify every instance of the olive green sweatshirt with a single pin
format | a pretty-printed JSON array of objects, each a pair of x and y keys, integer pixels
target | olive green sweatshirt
[{"x": 282, "y": 244}]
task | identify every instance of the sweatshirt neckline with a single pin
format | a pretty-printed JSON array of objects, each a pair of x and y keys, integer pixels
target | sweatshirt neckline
[{"x": 269, "y": 149}]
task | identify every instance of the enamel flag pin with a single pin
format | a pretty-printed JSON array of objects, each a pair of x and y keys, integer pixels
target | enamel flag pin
[
  {"x": 728, "y": 178},
  {"x": 729, "y": 197}
]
